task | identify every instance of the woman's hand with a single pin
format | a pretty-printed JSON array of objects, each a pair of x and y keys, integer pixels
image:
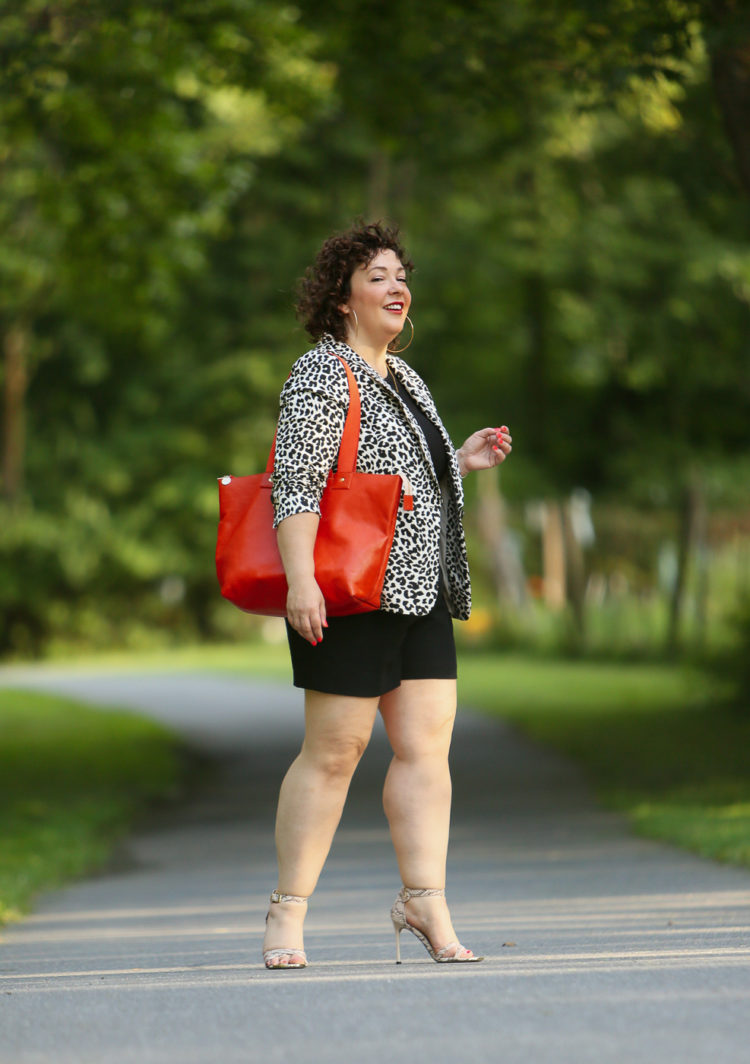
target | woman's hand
[
  {"x": 306, "y": 610},
  {"x": 305, "y": 605},
  {"x": 484, "y": 450}
]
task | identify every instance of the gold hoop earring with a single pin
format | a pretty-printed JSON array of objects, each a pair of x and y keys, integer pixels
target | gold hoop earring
[
  {"x": 356, "y": 320},
  {"x": 398, "y": 350}
]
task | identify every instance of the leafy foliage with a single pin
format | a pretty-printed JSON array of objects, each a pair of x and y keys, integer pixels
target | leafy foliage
[
  {"x": 72, "y": 779},
  {"x": 568, "y": 183}
]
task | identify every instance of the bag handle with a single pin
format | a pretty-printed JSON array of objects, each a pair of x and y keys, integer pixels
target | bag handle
[{"x": 349, "y": 445}]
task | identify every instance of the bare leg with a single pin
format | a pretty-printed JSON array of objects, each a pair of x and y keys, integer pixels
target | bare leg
[
  {"x": 419, "y": 718},
  {"x": 337, "y": 730}
]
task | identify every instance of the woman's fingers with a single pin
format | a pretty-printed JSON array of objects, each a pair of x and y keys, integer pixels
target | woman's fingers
[
  {"x": 501, "y": 444},
  {"x": 306, "y": 612},
  {"x": 308, "y": 626},
  {"x": 485, "y": 448}
]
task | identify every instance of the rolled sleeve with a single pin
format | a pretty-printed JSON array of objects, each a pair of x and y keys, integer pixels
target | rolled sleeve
[
  {"x": 307, "y": 445},
  {"x": 457, "y": 480}
]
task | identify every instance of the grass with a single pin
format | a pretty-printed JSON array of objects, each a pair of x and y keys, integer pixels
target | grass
[
  {"x": 652, "y": 740},
  {"x": 72, "y": 780},
  {"x": 270, "y": 660}
]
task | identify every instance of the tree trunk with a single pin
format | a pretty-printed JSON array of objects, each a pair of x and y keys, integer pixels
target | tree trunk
[
  {"x": 690, "y": 516},
  {"x": 379, "y": 185},
  {"x": 553, "y": 556},
  {"x": 702, "y": 582},
  {"x": 508, "y": 577},
  {"x": 15, "y": 349},
  {"x": 575, "y": 569},
  {"x": 536, "y": 375},
  {"x": 535, "y": 307},
  {"x": 401, "y": 194},
  {"x": 730, "y": 73}
]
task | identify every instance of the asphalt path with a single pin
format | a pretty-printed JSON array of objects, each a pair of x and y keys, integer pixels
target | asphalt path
[{"x": 600, "y": 947}]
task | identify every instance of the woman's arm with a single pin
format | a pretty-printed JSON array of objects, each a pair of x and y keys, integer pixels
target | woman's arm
[
  {"x": 484, "y": 450},
  {"x": 314, "y": 401},
  {"x": 305, "y": 606}
]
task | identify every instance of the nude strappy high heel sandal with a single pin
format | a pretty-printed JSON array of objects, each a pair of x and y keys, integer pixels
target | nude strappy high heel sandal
[
  {"x": 271, "y": 955},
  {"x": 453, "y": 953}
]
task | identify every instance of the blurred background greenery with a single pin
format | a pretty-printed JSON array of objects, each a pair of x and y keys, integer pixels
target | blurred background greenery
[{"x": 573, "y": 182}]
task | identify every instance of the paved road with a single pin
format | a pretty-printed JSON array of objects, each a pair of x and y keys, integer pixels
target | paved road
[{"x": 601, "y": 948}]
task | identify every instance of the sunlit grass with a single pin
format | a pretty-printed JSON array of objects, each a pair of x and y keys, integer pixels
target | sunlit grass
[
  {"x": 650, "y": 739},
  {"x": 269, "y": 659},
  {"x": 72, "y": 780}
]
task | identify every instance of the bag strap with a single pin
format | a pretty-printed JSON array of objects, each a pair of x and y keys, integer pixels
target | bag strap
[{"x": 349, "y": 445}]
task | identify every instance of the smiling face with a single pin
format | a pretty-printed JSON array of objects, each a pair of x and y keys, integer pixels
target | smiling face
[{"x": 380, "y": 298}]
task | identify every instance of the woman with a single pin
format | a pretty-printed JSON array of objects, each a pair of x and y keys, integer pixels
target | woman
[{"x": 401, "y": 658}]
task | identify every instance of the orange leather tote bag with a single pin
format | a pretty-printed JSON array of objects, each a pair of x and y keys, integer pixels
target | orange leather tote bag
[{"x": 357, "y": 519}]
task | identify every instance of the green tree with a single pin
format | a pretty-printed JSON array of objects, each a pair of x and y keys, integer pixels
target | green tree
[
  {"x": 127, "y": 134},
  {"x": 569, "y": 178}
]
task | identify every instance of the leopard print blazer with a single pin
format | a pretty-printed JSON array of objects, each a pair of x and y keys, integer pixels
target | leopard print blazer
[{"x": 429, "y": 539}]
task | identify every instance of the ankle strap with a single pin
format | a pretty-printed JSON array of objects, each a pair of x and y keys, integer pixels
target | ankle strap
[
  {"x": 276, "y": 897},
  {"x": 407, "y": 893}
]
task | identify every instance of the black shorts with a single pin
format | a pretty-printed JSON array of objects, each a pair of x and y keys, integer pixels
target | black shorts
[{"x": 370, "y": 653}]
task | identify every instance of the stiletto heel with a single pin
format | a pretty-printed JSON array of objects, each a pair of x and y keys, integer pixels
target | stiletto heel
[
  {"x": 270, "y": 955},
  {"x": 459, "y": 955}
]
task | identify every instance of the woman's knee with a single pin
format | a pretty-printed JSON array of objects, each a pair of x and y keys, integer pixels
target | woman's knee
[
  {"x": 419, "y": 717},
  {"x": 337, "y": 756},
  {"x": 337, "y": 731},
  {"x": 428, "y": 741}
]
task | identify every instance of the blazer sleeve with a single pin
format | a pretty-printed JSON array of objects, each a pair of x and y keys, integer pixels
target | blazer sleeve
[{"x": 313, "y": 404}]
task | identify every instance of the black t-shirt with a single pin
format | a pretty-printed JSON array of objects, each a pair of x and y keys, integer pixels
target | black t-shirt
[{"x": 431, "y": 433}]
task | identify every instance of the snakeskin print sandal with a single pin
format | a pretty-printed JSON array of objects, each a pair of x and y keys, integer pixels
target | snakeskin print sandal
[
  {"x": 453, "y": 953},
  {"x": 272, "y": 957}
]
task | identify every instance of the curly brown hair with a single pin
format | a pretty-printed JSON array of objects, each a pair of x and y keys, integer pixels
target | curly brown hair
[{"x": 326, "y": 283}]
